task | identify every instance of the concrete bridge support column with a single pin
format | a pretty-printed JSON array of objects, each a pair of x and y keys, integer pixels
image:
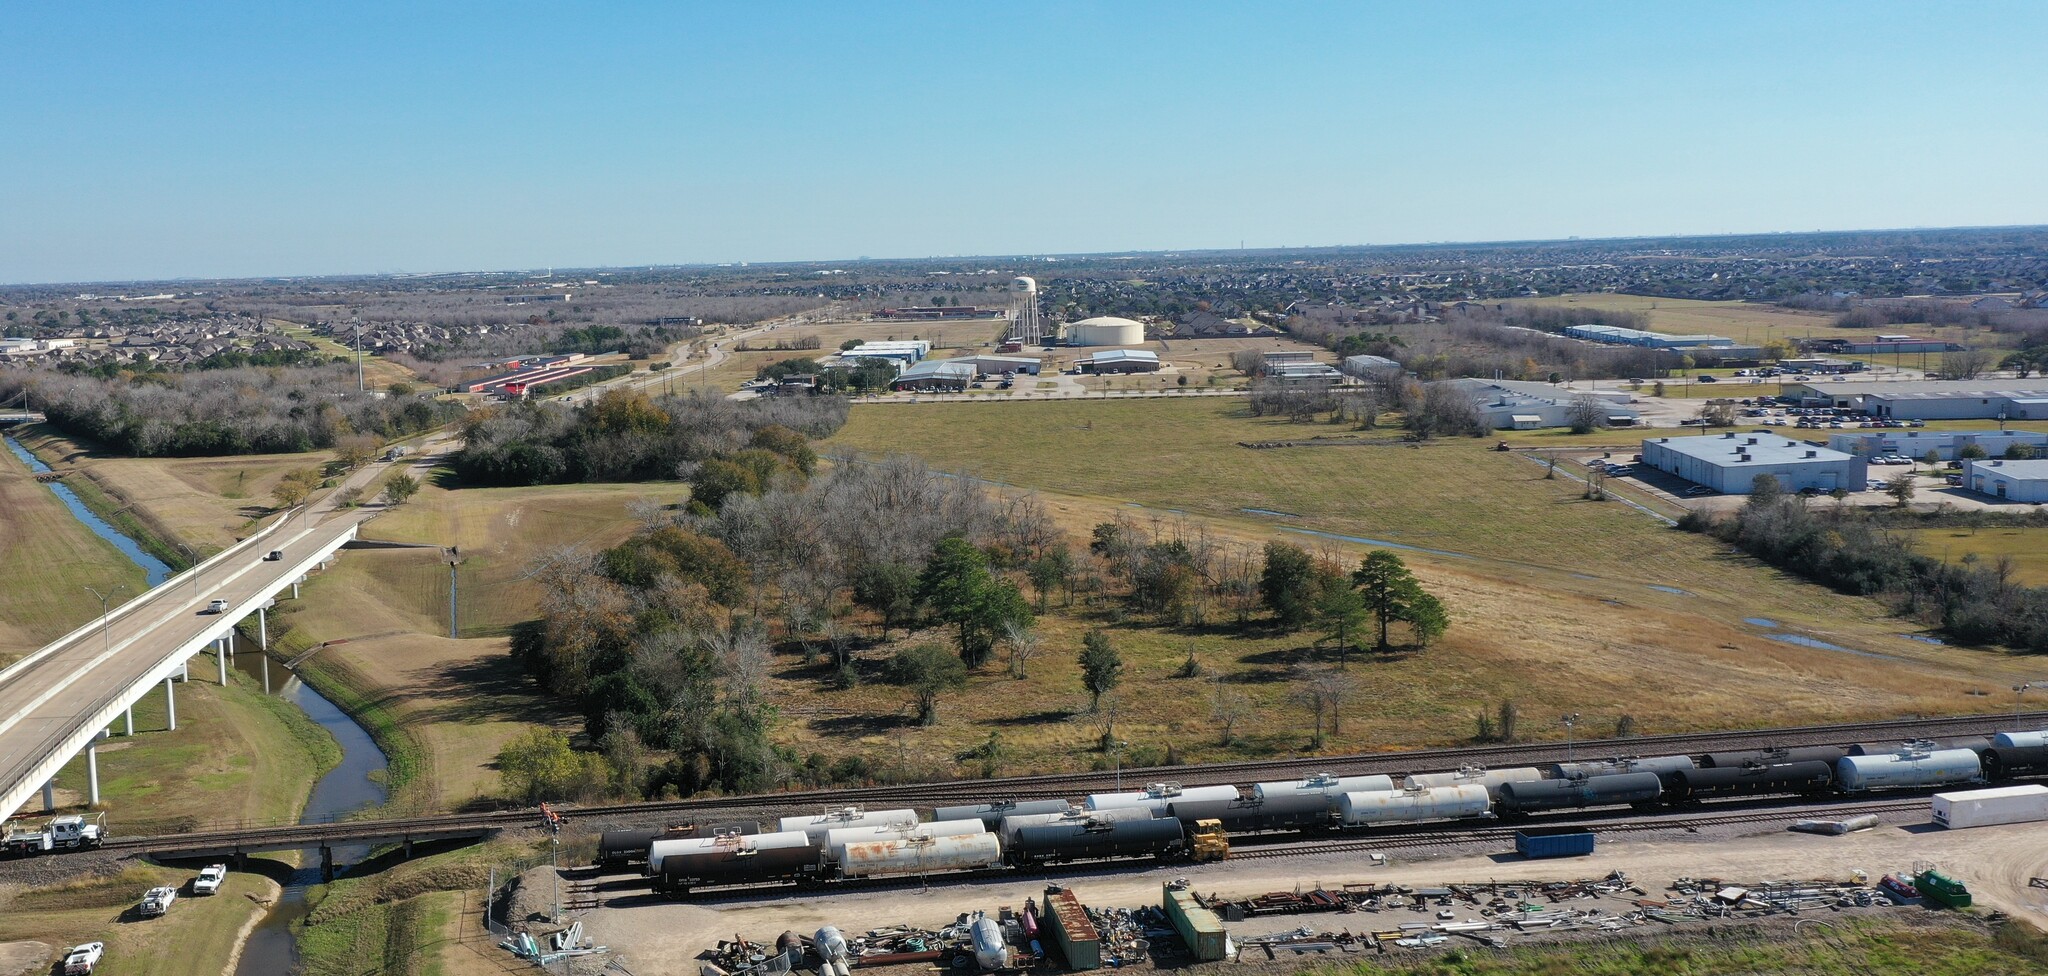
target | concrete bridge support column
[
  {"x": 295, "y": 589},
  {"x": 185, "y": 670},
  {"x": 92, "y": 772},
  {"x": 128, "y": 721},
  {"x": 262, "y": 629},
  {"x": 266, "y": 674},
  {"x": 326, "y": 863},
  {"x": 220, "y": 657},
  {"x": 170, "y": 706},
  {"x": 50, "y": 797}
]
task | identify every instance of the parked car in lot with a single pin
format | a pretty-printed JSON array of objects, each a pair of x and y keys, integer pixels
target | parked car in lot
[
  {"x": 80, "y": 960},
  {"x": 1699, "y": 490},
  {"x": 210, "y": 879}
]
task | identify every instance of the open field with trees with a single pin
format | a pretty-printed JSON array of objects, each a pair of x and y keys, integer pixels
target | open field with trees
[
  {"x": 2024, "y": 547},
  {"x": 50, "y": 560}
]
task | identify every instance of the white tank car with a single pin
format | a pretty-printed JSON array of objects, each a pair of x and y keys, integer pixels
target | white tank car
[
  {"x": 920, "y": 855},
  {"x": 1428, "y": 803},
  {"x": 1908, "y": 767},
  {"x": 817, "y": 825},
  {"x": 1156, "y": 797},
  {"x": 1491, "y": 779},
  {"x": 837, "y": 839},
  {"x": 2020, "y": 740},
  {"x": 1321, "y": 784},
  {"x": 1011, "y": 825}
]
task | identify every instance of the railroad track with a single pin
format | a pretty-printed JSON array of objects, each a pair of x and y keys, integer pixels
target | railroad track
[{"x": 1074, "y": 785}]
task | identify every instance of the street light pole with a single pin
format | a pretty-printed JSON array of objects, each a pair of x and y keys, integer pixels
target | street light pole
[
  {"x": 1570, "y": 722},
  {"x": 2019, "y": 691},
  {"x": 106, "y": 635}
]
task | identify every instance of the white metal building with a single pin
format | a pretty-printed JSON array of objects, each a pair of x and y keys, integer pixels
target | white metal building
[
  {"x": 2019, "y": 481},
  {"x": 936, "y": 374},
  {"x": 1936, "y": 399},
  {"x": 1105, "y": 330},
  {"x": 1368, "y": 365},
  {"x": 996, "y": 365},
  {"x": 1730, "y": 462},
  {"x": 1916, "y": 443},
  {"x": 1121, "y": 361},
  {"x": 1518, "y": 405}
]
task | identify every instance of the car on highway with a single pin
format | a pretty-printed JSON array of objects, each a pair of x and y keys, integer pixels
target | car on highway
[
  {"x": 217, "y": 606},
  {"x": 273, "y": 555},
  {"x": 80, "y": 960},
  {"x": 210, "y": 879}
]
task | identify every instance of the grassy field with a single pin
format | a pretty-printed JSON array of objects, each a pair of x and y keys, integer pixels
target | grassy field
[
  {"x": 51, "y": 558},
  {"x": 378, "y": 372},
  {"x": 1559, "y": 603},
  {"x": 198, "y": 501},
  {"x": 194, "y": 939},
  {"x": 1929, "y": 947},
  {"x": 2026, "y": 547},
  {"x": 443, "y": 707},
  {"x": 404, "y": 920},
  {"x": 1755, "y": 324}
]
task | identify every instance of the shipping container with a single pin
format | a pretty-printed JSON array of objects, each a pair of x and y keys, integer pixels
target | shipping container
[
  {"x": 1986, "y": 808},
  {"x": 1071, "y": 930},
  {"x": 1157, "y": 796},
  {"x": 1908, "y": 767},
  {"x": 1554, "y": 842},
  {"x": 1428, "y": 803},
  {"x": 1491, "y": 779},
  {"x": 991, "y": 814},
  {"x": 1199, "y": 927},
  {"x": 1325, "y": 785},
  {"x": 912, "y": 856},
  {"x": 817, "y": 825}
]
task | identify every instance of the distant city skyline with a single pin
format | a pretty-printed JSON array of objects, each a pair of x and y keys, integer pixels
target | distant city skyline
[{"x": 226, "y": 140}]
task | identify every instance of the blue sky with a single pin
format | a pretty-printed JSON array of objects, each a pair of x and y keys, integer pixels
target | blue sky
[{"x": 219, "y": 139}]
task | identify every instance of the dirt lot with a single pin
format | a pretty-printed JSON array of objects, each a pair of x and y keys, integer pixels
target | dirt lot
[{"x": 662, "y": 937}]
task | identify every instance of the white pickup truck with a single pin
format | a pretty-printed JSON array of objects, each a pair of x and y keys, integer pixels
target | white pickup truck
[
  {"x": 157, "y": 901},
  {"x": 210, "y": 879},
  {"x": 81, "y": 960}
]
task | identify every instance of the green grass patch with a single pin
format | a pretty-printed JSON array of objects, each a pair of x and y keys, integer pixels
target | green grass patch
[{"x": 388, "y": 921}]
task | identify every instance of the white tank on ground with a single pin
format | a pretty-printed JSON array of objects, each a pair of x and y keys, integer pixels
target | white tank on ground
[
  {"x": 1156, "y": 797},
  {"x": 920, "y": 855},
  {"x": 1429, "y": 803},
  {"x": 819, "y": 824},
  {"x": 1106, "y": 330},
  {"x": 1321, "y": 784},
  {"x": 990, "y": 949}
]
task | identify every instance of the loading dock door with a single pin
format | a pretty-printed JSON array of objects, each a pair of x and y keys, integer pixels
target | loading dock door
[{"x": 1827, "y": 481}]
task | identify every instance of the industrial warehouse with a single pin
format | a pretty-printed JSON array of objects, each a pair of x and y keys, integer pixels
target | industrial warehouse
[
  {"x": 1517, "y": 405},
  {"x": 1729, "y": 463},
  {"x": 1984, "y": 399},
  {"x": 1944, "y": 444},
  {"x": 2018, "y": 481}
]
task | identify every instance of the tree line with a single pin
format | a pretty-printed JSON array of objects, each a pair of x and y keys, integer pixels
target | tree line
[
  {"x": 231, "y": 410},
  {"x": 1970, "y": 601}
]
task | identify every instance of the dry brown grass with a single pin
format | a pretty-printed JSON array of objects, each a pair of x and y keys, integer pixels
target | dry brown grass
[{"x": 49, "y": 560}]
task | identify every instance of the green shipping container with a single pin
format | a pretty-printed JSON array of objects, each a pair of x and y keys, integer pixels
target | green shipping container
[
  {"x": 1079, "y": 943},
  {"x": 1198, "y": 926}
]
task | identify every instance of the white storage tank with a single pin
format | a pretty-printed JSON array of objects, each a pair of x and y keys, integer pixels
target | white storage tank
[
  {"x": 839, "y": 838},
  {"x": 2019, "y": 740},
  {"x": 920, "y": 855},
  {"x": 1428, "y": 803},
  {"x": 1321, "y": 784},
  {"x": 1156, "y": 796},
  {"x": 1908, "y": 767},
  {"x": 1987, "y": 808},
  {"x": 1106, "y": 330},
  {"x": 1073, "y": 815},
  {"x": 781, "y": 840},
  {"x": 1491, "y": 779},
  {"x": 819, "y": 824}
]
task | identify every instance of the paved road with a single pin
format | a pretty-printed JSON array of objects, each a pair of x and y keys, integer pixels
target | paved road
[{"x": 47, "y": 697}]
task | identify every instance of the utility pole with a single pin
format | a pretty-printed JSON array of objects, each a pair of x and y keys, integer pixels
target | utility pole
[
  {"x": 453, "y": 560},
  {"x": 1570, "y": 722},
  {"x": 359, "y": 353},
  {"x": 106, "y": 634}
]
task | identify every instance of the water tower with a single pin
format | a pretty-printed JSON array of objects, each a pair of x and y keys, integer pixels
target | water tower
[{"x": 1024, "y": 312}]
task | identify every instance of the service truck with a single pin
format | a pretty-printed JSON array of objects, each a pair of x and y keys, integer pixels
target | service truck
[{"x": 68, "y": 833}]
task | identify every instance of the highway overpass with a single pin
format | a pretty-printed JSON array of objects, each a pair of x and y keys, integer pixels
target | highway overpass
[{"x": 69, "y": 695}]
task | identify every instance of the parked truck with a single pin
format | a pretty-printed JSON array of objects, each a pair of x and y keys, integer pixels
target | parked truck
[{"x": 68, "y": 833}]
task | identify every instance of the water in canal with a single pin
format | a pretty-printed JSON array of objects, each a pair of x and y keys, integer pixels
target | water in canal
[{"x": 346, "y": 789}]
